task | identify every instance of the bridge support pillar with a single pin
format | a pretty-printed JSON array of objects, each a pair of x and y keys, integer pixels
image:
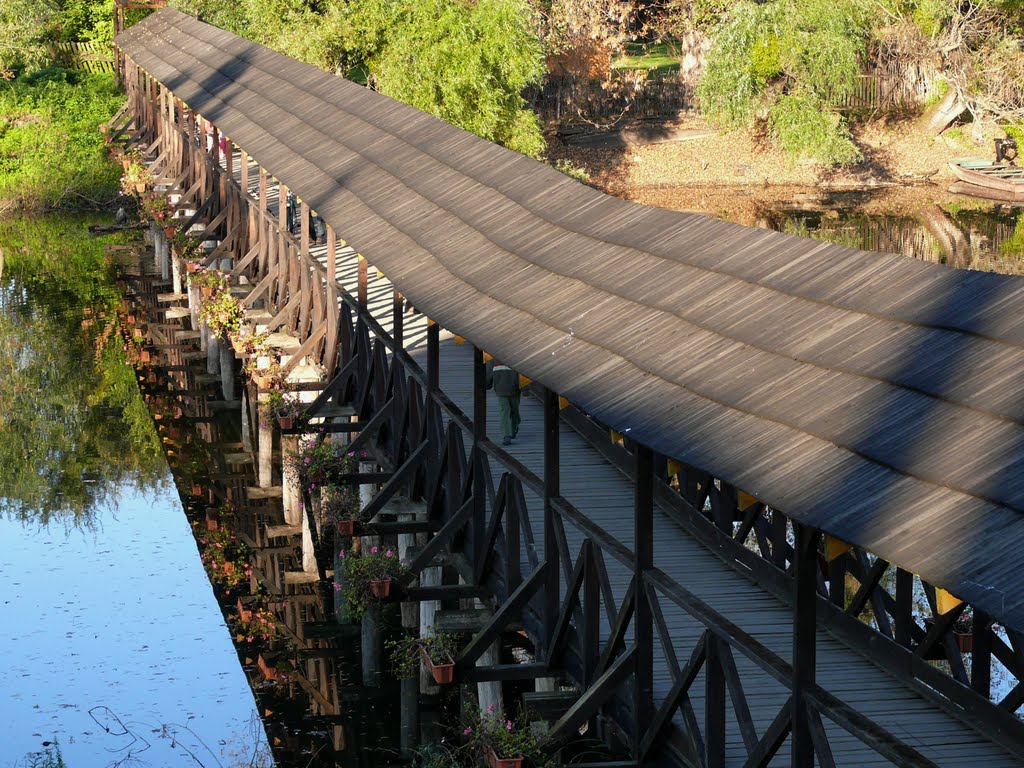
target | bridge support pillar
[
  {"x": 804, "y": 642},
  {"x": 643, "y": 619}
]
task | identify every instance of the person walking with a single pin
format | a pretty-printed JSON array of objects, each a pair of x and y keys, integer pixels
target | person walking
[{"x": 505, "y": 383}]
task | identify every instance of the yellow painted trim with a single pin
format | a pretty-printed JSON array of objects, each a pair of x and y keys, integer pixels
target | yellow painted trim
[
  {"x": 459, "y": 340},
  {"x": 524, "y": 381},
  {"x": 563, "y": 403},
  {"x": 746, "y": 500},
  {"x": 835, "y": 547},
  {"x": 674, "y": 467},
  {"x": 488, "y": 357},
  {"x": 616, "y": 437},
  {"x": 944, "y": 601}
]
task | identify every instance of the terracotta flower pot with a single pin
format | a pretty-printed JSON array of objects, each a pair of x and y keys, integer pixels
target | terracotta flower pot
[
  {"x": 191, "y": 266},
  {"x": 245, "y": 614},
  {"x": 964, "y": 641},
  {"x": 144, "y": 356},
  {"x": 380, "y": 589},
  {"x": 268, "y": 671},
  {"x": 443, "y": 673},
  {"x": 503, "y": 762},
  {"x": 169, "y": 232},
  {"x": 346, "y": 527},
  {"x": 207, "y": 291},
  {"x": 197, "y": 490},
  {"x": 286, "y": 422},
  {"x": 140, "y": 187}
]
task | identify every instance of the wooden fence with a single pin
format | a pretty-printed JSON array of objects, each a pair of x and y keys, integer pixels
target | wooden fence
[
  {"x": 92, "y": 56},
  {"x": 568, "y": 99}
]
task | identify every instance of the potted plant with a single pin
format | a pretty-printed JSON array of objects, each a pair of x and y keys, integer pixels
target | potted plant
[
  {"x": 963, "y": 631},
  {"x": 368, "y": 577},
  {"x": 504, "y": 743},
  {"x": 225, "y": 558},
  {"x": 341, "y": 507},
  {"x": 286, "y": 407},
  {"x": 136, "y": 176},
  {"x": 435, "y": 653},
  {"x": 221, "y": 311},
  {"x": 254, "y": 625}
]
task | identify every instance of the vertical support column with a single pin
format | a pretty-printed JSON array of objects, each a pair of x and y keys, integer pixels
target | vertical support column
[
  {"x": 397, "y": 325},
  {"x": 904, "y": 607},
  {"x": 714, "y": 704},
  {"x": 552, "y": 490},
  {"x": 364, "y": 282},
  {"x": 304, "y": 229},
  {"x": 433, "y": 358},
  {"x": 243, "y": 159},
  {"x": 981, "y": 661},
  {"x": 643, "y": 621},
  {"x": 804, "y": 642},
  {"x": 479, "y": 435},
  {"x": 263, "y": 189}
]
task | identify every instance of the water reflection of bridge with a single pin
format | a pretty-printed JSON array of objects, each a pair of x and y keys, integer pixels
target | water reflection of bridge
[{"x": 870, "y": 398}]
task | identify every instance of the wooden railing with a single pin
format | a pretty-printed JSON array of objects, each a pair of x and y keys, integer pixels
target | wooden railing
[{"x": 87, "y": 56}]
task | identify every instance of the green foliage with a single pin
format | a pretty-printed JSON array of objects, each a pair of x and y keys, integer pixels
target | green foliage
[
  {"x": 790, "y": 60},
  {"x": 405, "y": 652},
  {"x": 805, "y": 127},
  {"x": 51, "y": 150},
  {"x": 465, "y": 63},
  {"x": 72, "y": 424},
  {"x": 379, "y": 564},
  {"x": 50, "y": 757}
]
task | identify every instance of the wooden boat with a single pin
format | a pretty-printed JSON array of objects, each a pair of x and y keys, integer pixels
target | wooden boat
[{"x": 1001, "y": 180}]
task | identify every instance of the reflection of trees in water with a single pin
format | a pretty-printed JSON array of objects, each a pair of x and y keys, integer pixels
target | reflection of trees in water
[
  {"x": 967, "y": 239},
  {"x": 73, "y": 427}
]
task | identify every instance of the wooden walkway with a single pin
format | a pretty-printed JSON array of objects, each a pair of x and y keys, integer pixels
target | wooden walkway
[{"x": 605, "y": 496}]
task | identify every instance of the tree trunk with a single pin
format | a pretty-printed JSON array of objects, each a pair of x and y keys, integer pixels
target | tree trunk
[{"x": 937, "y": 118}]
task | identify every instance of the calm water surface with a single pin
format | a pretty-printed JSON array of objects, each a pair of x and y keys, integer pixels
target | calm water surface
[{"x": 113, "y": 641}]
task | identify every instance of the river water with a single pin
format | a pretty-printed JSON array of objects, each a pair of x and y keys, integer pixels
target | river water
[{"x": 115, "y": 646}]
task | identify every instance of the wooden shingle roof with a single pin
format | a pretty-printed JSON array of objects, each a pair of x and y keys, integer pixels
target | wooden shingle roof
[{"x": 872, "y": 396}]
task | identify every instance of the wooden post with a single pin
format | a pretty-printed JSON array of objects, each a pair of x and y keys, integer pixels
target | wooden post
[
  {"x": 552, "y": 490},
  {"x": 981, "y": 661},
  {"x": 714, "y": 705},
  {"x": 479, "y": 435},
  {"x": 433, "y": 358},
  {"x": 243, "y": 159},
  {"x": 904, "y": 607},
  {"x": 364, "y": 282},
  {"x": 397, "y": 326},
  {"x": 304, "y": 229},
  {"x": 804, "y": 642},
  {"x": 643, "y": 620}
]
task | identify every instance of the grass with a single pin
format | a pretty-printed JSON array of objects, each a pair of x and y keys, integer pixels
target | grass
[
  {"x": 51, "y": 151},
  {"x": 657, "y": 58}
]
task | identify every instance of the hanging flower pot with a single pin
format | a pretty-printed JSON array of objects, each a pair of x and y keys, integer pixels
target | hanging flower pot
[
  {"x": 380, "y": 589},
  {"x": 443, "y": 673},
  {"x": 191, "y": 266},
  {"x": 197, "y": 490},
  {"x": 207, "y": 291},
  {"x": 144, "y": 356},
  {"x": 268, "y": 671},
  {"x": 140, "y": 187},
  {"x": 169, "y": 232},
  {"x": 346, "y": 527},
  {"x": 503, "y": 762},
  {"x": 964, "y": 641},
  {"x": 286, "y": 422},
  {"x": 245, "y": 614}
]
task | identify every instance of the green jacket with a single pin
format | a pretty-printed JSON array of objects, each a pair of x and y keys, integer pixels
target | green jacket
[{"x": 502, "y": 379}]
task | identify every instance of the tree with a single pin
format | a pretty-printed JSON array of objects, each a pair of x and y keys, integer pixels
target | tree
[
  {"x": 974, "y": 47},
  {"x": 465, "y": 63},
  {"x": 787, "y": 63}
]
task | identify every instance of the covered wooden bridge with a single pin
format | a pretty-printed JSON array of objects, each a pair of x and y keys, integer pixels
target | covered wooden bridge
[{"x": 800, "y": 433}]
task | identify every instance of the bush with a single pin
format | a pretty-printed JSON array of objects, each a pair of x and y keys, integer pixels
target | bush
[
  {"x": 805, "y": 127},
  {"x": 51, "y": 150}
]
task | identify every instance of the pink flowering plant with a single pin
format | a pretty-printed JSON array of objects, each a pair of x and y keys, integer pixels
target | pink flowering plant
[
  {"x": 507, "y": 738},
  {"x": 378, "y": 564},
  {"x": 225, "y": 558},
  {"x": 260, "y": 626}
]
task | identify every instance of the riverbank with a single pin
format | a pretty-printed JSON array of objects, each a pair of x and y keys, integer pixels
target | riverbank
[
  {"x": 52, "y": 155},
  {"x": 736, "y": 175}
]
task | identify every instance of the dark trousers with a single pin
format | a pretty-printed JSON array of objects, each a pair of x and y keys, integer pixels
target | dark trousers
[{"x": 508, "y": 410}]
